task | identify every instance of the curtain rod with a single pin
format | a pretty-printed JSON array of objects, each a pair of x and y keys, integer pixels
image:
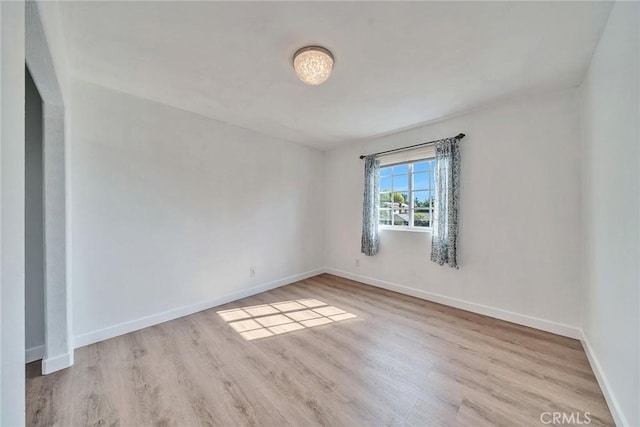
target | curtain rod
[{"x": 459, "y": 136}]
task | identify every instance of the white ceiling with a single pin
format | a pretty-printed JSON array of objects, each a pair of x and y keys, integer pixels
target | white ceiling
[{"x": 397, "y": 64}]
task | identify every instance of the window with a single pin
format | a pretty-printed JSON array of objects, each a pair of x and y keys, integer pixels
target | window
[{"x": 406, "y": 195}]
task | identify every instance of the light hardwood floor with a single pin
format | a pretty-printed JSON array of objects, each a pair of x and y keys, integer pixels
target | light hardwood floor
[{"x": 400, "y": 361}]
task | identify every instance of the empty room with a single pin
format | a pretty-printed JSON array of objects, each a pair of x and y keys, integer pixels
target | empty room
[{"x": 319, "y": 213}]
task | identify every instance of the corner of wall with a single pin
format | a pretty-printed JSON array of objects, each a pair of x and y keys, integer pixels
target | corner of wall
[
  {"x": 606, "y": 105},
  {"x": 603, "y": 382}
]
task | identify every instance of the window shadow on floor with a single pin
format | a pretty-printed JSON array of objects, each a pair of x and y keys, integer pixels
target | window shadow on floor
[{"x": 266, "y": 320}]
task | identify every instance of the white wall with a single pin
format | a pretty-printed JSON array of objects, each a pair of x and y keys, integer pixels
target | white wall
[
  {"x": 171, "y": 209},
  {"x": 519, "y": 215},
  {"x": 12, "y": 213},
  {"x": 56, "y": 89},
  {"x": 34, "y": 224},
  {"x": 610, "y": 188}
]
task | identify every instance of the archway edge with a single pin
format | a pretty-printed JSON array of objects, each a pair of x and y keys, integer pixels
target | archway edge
[{"x": 57, "y": 293}]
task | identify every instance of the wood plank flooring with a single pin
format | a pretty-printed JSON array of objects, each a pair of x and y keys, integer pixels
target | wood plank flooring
[{"x": 400, "y": 361}]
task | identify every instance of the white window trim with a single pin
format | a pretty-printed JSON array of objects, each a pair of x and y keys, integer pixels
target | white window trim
[
  {"x": 414, "y": 155},
  {"x": 405, "y": 228},
  {"x": 421, "y": 156}
]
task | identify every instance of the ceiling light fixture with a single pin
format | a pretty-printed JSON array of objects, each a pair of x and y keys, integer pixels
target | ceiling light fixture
[{"x": 313, "y": 64}]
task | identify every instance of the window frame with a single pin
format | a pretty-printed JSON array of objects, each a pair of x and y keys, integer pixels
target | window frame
[{"x": 410, "y": 191}]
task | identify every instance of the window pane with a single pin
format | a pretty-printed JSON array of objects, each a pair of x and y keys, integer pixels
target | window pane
[
  {"x": 401, "y": 200},
  {"x": 422, "y": 218},
  {"x": 385, "y": 184},
  {"x": 421, "y": 181},
  {"x": 385, "y": 171},
  {"x": 400, "y": 182},
  {"x": 385, "y": 200},
  {"x": 385, "y": 217},
  {"x": 422, "y": 199},
  {"x": 401, "y": 219},
  {"x": 423, "y": 166},
  {"x": 400, "y": 169}
]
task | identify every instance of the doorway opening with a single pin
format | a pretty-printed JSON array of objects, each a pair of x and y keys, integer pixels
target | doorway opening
[
  {"x": 48, "y": 194},
  {"x": 34, "y": 224}
]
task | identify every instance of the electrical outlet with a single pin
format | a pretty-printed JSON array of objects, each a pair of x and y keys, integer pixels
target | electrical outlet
[
  {"x": 252, "y": 272},
  {"x": 357, "y": 262}
]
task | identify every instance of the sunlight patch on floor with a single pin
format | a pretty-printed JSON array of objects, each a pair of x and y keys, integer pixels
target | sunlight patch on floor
[{"x": 266, "y": 320}]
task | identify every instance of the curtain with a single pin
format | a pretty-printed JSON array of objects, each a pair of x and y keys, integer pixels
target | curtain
[
  {"x": 370, "y": 206},
  {"x": 444, "y": 243}
]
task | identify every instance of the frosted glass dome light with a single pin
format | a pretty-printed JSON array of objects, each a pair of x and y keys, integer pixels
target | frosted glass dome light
[{"x": 313, "y": 64}]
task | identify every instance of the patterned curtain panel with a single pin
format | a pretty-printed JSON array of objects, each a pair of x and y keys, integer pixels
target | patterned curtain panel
[
  {"x": 444, "y": 243},
  {"x": 370, "y": 206}
]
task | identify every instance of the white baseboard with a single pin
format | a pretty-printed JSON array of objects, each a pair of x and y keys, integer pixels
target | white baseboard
[
  {"x": 57, "y": 363},
  {"x": 509, "y": 316},
  {"x": 533, "y": 322},
  {"x": 34, "y": 353},
  {"x": 607, "y": 391},
  {"x": 154, "y": 319},
  {"x": 66, "y": 360}
]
